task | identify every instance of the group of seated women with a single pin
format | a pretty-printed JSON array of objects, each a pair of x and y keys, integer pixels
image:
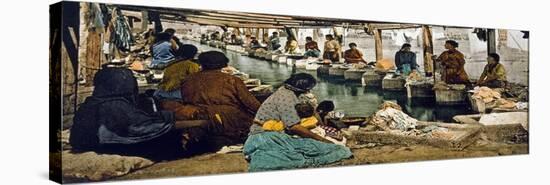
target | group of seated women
[{"x": 197, "y": 108}]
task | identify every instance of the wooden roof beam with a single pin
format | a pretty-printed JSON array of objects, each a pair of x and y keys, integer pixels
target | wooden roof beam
[
  {"x": 255, "y": 15},
  {"x": 229, "y": 19},
  {"x": 236, "y": 16}
]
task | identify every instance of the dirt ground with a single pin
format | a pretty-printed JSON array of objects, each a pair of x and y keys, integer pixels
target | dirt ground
[{"x": 208, "y": 164}]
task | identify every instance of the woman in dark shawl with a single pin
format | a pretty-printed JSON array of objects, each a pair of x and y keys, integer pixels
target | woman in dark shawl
[{"x": 110, "y": 120}]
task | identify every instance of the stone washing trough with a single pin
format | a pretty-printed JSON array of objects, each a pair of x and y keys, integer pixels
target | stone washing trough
[{"x": 457, "y": 137}]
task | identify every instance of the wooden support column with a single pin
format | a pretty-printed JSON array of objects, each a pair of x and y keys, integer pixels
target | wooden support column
[
  {"x": 144, "y": 20},
  {"x": 155, "y": 17},
  {"x": 131, "y": 22},
  {"x": 257, "y": 33},
  {"x": 83, "y": 38},
  {"x": 427, "y": 45},
  {"x": 265, "y": 35},
  {"x": 491, "y": 41},
  {"x": 378, "y": 44},
  {"x": 89, "y": 47},
  {"x": 93, "y": 56},
  {"x": 70, "y": 31},
  {"x": 237, "y": 31}
]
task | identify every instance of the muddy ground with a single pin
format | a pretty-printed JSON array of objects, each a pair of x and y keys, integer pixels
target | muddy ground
[{"x": 208, "y": 164}]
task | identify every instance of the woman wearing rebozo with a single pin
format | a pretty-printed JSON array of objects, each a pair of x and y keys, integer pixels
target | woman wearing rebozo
[{"x": 275, "y": 149}]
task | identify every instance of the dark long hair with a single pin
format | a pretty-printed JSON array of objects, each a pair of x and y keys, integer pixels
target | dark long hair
[
  {"x": 212, "y": 60},
  {"x": 496, "y": 57},
  {"x": 452, "y": 43},
  {"x": 300, "y": 83}
]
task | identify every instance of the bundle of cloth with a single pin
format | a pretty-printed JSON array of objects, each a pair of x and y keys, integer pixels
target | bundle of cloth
[
  {"x": 418, "y": 80},
  {"x": 359, "y": 65},
  {"x": 415, "y": 76},
  {"x": 230, "y": 70},
  {"x": 391, "y": 117},
  {"x": 492, "y": 98},
  {"x": 384, "y": 65},
  {"x": 519, "y": 91}
]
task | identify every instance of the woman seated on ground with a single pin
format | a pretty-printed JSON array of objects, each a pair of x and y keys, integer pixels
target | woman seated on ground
[
  {"x": 452, "y": 62},
  {"x": 332, "y": 49},
  {"x": 235, "y": 40},
  {"x": 224, "y": 98},
  {"x": 110, "y": 120},
  {"x": 255, "y": 44},
  {"x": 162, "y": 51},
  {"x": 405, "y": 60},
  {"x": 169, "y": 92},
  {"x": 291, "y": 46},
  {"x": 494, "y": 74},
  {"x": 311, "y": 47},
  {"x": 176, "y": 72},
  {"x": 353, "y": 55},
  {"x": 275, "y": 150}
]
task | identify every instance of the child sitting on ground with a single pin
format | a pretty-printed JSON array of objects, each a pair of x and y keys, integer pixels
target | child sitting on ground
[{"x": 310, "y": 121}]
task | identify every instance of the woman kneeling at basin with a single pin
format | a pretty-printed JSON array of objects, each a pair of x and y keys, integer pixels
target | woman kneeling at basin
[{"x": 276, "y": 150}]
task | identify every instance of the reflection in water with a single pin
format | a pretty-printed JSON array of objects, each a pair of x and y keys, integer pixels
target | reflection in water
[{"x": 349, "y": 97}]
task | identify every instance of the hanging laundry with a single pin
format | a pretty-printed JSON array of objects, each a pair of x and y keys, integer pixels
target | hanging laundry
[
  {"x": 122, "y": 37},
  {"x": 96, "y": 17}
]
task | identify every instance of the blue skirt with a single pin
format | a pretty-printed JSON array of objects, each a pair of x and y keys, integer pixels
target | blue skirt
[{"x": 277, "y": 151}]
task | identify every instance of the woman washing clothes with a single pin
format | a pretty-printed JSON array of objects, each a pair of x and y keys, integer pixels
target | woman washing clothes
[
  {"x": 405, "y": 60},
  {"x": 162, "y": 51},
  {"x": 494, "y": 74},
  {"x": 452, "y": 62},
  {"x": 274, "y": 150}
]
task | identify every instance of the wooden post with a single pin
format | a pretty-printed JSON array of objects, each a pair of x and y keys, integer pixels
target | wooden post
[
  {"x": 257, "y": 34},
  {"x": 155, "y": 17},
  {"x": 237, "y": 32},
  {"x": 264, "y": 36},
  {"x": 131, "y": 22},
  {"x": 144, "y": 20},
  {"x": 491, "y": 41},
  {"x": 344, "y": 37},
  {"x": 378, "y": 44},
  {"x": 427, "y": 44},
  {"x": 89, "y": 46},
  {"x": 70, "y": 31},
  {"x": 83, "y": 38}
]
